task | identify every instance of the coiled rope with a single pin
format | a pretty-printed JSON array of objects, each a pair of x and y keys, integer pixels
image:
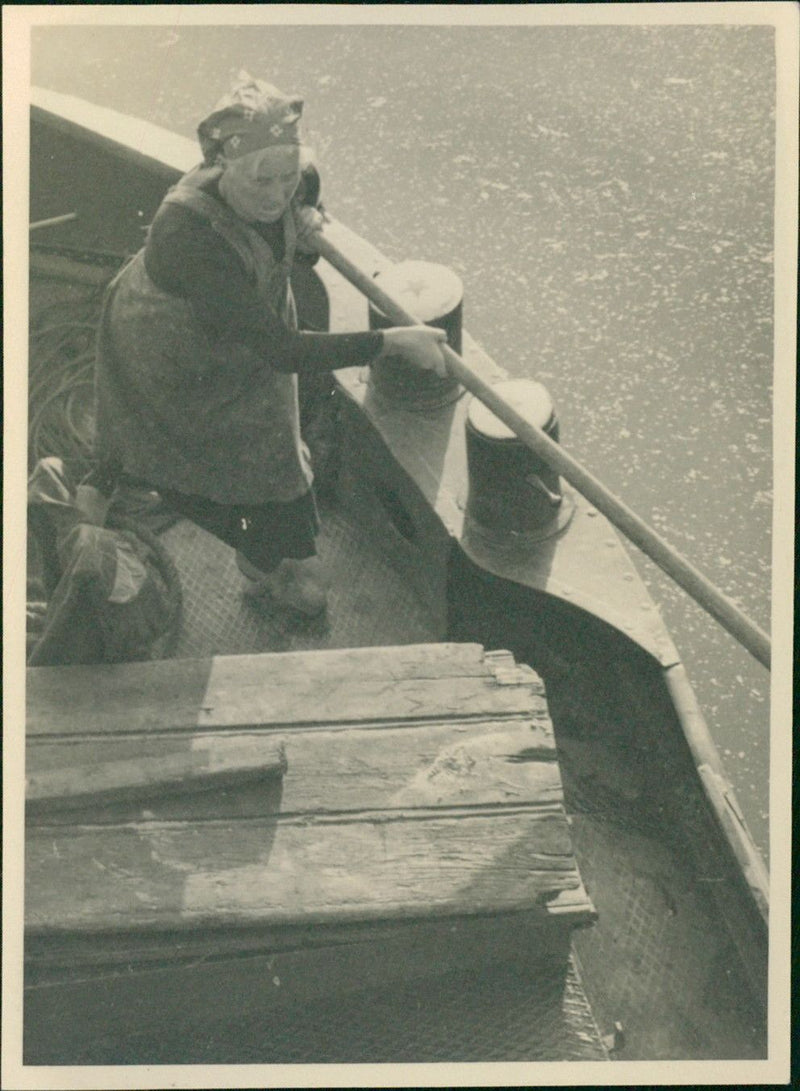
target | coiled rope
[
  {"x": 61, "y": 422},
  {"x": 61, "y": 384}
]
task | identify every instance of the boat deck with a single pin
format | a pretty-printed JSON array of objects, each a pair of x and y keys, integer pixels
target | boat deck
[
  {"x": 498, "y": 1016},
  {"x": 369, "y": 602},
  {"x": 384, "y": 870},
  {"x": 635, "y": 965}
]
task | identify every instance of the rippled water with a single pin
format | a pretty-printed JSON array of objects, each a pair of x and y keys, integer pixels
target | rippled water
[{"x": 606, "y": 195}]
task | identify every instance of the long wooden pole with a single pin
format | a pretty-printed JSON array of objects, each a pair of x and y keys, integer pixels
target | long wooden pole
[{"x": 712, "y": 600}]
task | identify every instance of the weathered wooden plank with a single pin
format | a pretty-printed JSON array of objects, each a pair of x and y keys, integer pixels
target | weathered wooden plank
[
  {"x": 94, "y": 782},
  {"x": 401, "y": 661},
  {"x": 271, "y": 705},
  {"x": 144, "y": 696},
  {"x": 56, "y": 956},
  {"x": 428, "y": 765},
  {"x": 185, "y": 681},
  {"x": 339, "y": 770},
  {"x": 342, "y": 699},
  {"x": 117, "y": 1001},
  {"x": 279, "y": 870},
  {"x": 317, "y": 687}
]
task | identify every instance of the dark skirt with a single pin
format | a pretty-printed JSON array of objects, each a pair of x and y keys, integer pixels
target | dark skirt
[{"x": 263, "y": 533}]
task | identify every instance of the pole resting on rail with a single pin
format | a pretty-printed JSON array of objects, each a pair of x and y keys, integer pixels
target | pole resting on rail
[{"x": 712, "y": 600}]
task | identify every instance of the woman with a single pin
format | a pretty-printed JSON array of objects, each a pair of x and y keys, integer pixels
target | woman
[{"x": 199, "y": 353}]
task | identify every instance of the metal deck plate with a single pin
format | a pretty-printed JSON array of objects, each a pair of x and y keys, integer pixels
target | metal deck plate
[
  {"x": 669, "y": 973},
  {"x": 369, "y": 602},
  {"x": 502, "y": 1018}
]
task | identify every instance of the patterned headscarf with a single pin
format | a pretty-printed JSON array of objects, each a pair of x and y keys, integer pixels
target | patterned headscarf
[{"x": 252, "y": 116}]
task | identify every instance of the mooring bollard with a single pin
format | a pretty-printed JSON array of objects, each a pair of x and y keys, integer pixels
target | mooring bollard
[
  {"x": 511, "y": 490},
  {"x": 635, "y": 529},
  {"x": 434, "y": 294}
]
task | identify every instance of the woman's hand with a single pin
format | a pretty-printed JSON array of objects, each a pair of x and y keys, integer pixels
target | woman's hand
[
  {"x": 308, "y": 222},
  {"x": 419, "y": 345}
]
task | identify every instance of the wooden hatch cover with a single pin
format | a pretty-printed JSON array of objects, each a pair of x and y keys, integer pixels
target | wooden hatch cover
[{"x": 285, "y": 801}]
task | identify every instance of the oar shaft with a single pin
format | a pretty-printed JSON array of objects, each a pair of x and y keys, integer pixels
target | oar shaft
[
  {"x": 713, "y": 601},
  {"x": 698, "y": 586}
]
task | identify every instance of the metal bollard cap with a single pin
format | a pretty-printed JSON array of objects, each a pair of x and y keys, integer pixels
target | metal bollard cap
[
  {"x": 427, "y": 290},
  {"x": 530, "y": 399}
]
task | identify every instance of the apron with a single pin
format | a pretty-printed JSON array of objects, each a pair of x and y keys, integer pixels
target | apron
[{"x": 184, "y": 411}]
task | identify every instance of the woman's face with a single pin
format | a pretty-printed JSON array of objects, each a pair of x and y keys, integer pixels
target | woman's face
[{"x": 259, "y": 186}]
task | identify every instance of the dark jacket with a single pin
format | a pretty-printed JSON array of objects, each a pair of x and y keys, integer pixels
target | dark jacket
[{"x": 198, "y": 396}]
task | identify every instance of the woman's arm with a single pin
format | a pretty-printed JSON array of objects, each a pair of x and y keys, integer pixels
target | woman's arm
[{"x": 185, "y": 256}]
